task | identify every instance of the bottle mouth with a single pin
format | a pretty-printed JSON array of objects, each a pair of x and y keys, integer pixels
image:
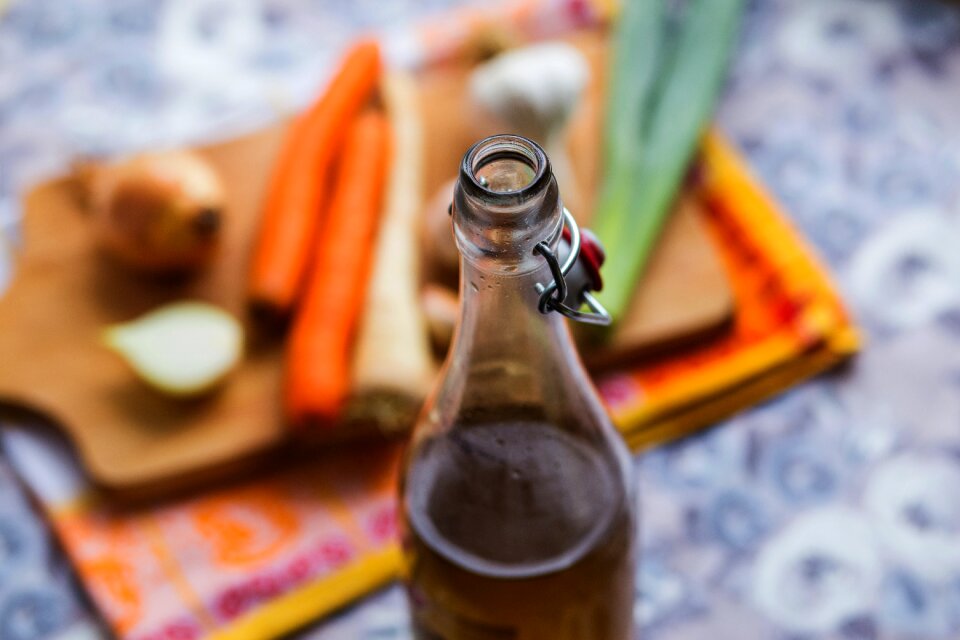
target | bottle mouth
[
  {"x": 506, "y": 201},
  {"x": 504, "y": 169}
]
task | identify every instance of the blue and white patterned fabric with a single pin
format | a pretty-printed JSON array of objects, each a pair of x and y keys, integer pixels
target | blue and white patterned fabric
[{"x": 832, "y": 512}]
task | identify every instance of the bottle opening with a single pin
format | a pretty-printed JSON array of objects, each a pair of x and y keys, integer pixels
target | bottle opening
[
  {"x": 505, "y": 202},
  {"x": 505, "y": 164},
  {"x": 505, "y": 173}
]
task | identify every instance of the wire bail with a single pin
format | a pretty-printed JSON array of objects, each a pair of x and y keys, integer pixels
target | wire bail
[{"x": 554, "y": 295}]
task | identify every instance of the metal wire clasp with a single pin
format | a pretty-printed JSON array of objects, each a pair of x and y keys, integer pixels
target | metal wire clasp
[{"x": 554, "y": 295}]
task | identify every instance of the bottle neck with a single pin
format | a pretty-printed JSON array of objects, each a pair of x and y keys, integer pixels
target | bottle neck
[
  {"x": 506, "y": 201},
  {"x": 506, "y": 355}
]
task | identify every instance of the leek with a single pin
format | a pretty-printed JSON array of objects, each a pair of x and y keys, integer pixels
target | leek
[{"x": 662, "y": 93}]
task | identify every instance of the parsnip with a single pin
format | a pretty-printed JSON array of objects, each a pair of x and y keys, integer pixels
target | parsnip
[{"x": 392, "y": 364}]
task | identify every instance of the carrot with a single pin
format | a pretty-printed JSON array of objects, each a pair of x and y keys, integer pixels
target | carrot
[
  {"x": 298, "y": 187},
  {"x": 320, "y": 343}
]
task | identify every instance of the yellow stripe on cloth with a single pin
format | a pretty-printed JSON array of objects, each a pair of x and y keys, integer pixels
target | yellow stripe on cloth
[
  {"x": 693, "y": 417},
  {"x": 315, "y": 600}
]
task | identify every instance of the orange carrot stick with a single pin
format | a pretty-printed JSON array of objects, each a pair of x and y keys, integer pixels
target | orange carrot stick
[
  {"x": 320, "y": 343},
  {"x": 296, "y": 194}
]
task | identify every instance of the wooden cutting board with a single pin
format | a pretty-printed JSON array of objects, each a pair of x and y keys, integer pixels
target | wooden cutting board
[
  {"x": 132, "y": 440},
  {"x": 64, "y": 292}
]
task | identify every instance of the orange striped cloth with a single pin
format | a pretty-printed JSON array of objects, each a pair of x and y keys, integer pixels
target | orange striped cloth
[
  {"x": 254, "y": 559},
  {"x": 790, "y": 323},
  {"x": 261, "y": 557}
]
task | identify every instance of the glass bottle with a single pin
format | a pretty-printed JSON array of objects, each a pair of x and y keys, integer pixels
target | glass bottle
[{"x": 517, "y": 500}]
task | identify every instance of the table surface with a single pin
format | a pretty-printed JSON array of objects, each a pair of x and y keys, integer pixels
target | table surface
[{"x": 832, "y": 511}]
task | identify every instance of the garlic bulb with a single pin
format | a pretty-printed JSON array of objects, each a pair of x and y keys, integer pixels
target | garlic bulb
[{"x": 532, "y": 91}]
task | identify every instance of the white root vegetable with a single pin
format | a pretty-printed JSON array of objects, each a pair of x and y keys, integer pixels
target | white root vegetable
[
  {"x": 532, "y": 91},
  {"x": 182, "y": 349},
  {"x": 393, "y": 369}
]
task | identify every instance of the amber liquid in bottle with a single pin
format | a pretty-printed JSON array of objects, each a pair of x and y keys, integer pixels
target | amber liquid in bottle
[{"x": 517, "y": 503}]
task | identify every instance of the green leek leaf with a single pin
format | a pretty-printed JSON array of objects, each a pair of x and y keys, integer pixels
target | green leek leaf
[{"x": 661, "y": 96}]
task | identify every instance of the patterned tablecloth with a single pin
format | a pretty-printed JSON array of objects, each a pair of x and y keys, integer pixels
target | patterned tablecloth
[{"x": 831, "y": 512}]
